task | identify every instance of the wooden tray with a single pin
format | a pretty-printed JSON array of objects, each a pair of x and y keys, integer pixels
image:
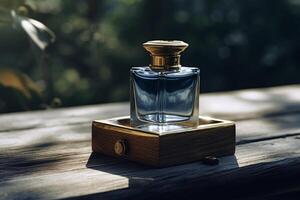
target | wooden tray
[{"x": 115, "y": 137}]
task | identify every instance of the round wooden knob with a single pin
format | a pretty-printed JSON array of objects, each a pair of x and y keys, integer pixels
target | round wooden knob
[{"x": 121, "y": 147}]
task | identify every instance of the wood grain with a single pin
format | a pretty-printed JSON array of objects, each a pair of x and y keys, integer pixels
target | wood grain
[
  {"x": 188, "y": 147},
  {"x": 237, "y": 105},
  {"x": 47, "y": 154},
  {"x": 247, "y": 131},
  {"x": 98, "y": 174},
  {"x": 212, "y": 137},
  {"x": 142, "y": 147}
]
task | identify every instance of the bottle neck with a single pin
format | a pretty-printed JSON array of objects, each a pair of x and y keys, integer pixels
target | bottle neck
[{"x": 165, "y": 63}]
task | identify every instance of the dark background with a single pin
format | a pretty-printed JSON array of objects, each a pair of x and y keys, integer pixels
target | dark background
[{"x": 236, "y": 44}]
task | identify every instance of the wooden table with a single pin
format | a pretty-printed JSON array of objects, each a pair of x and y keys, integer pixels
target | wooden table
[{"x": 47, "y": 154}]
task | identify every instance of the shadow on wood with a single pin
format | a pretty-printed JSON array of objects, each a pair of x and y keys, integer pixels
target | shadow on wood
[
  {"x": 212, "y": 184},
  {"x": 141, "y": 176}
]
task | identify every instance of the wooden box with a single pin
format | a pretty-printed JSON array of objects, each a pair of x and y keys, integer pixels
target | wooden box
[{"x": 115, "y": 137}]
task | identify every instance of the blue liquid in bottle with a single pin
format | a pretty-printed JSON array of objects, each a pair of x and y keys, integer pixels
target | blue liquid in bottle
[
  {"x": 167, "y": 97},
  {"x": 164, "y": 96}
]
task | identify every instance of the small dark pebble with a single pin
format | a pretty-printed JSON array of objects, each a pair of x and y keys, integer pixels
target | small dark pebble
[{"x": 210, "y": 160}]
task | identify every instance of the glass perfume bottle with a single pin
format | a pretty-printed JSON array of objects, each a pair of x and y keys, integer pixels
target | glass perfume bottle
[{"x": 164, "y": 95}]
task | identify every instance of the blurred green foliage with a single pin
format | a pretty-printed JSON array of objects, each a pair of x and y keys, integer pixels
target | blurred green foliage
[{"x": 236, "y": 44}]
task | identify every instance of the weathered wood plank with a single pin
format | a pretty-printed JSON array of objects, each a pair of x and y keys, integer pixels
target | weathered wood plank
[
  {"x": 91, "y": 175},
  {"x": 252, "y": 103},
  {"x": 237, "y": 105},
  {"x": 39, "y": 150},
  {"x": 67, "y": 148},
  {"x": 27, "y": 148},
  {"x": 247, "y": 131},
  {"x": 267, "y": 128},
  {"x": 47, "y": 154},
  {"x": 62, "y": 116},
  {"x": 42, "y": 145}
]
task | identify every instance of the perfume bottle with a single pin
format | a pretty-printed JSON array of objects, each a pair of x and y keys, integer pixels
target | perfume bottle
[{"x": 164, "y": 95}]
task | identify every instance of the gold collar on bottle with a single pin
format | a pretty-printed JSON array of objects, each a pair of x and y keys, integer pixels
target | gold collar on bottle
[{"x": 165, "y": 55}]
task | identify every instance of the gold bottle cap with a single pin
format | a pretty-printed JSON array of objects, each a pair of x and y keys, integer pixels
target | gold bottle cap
[{"x": 165, "y": 55}]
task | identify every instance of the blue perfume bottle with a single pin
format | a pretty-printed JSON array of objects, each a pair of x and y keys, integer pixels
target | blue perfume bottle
[{"x": 164, "y": 95}]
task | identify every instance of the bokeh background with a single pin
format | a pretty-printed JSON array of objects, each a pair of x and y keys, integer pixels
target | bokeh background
[{"x": 236, "y": 44}]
